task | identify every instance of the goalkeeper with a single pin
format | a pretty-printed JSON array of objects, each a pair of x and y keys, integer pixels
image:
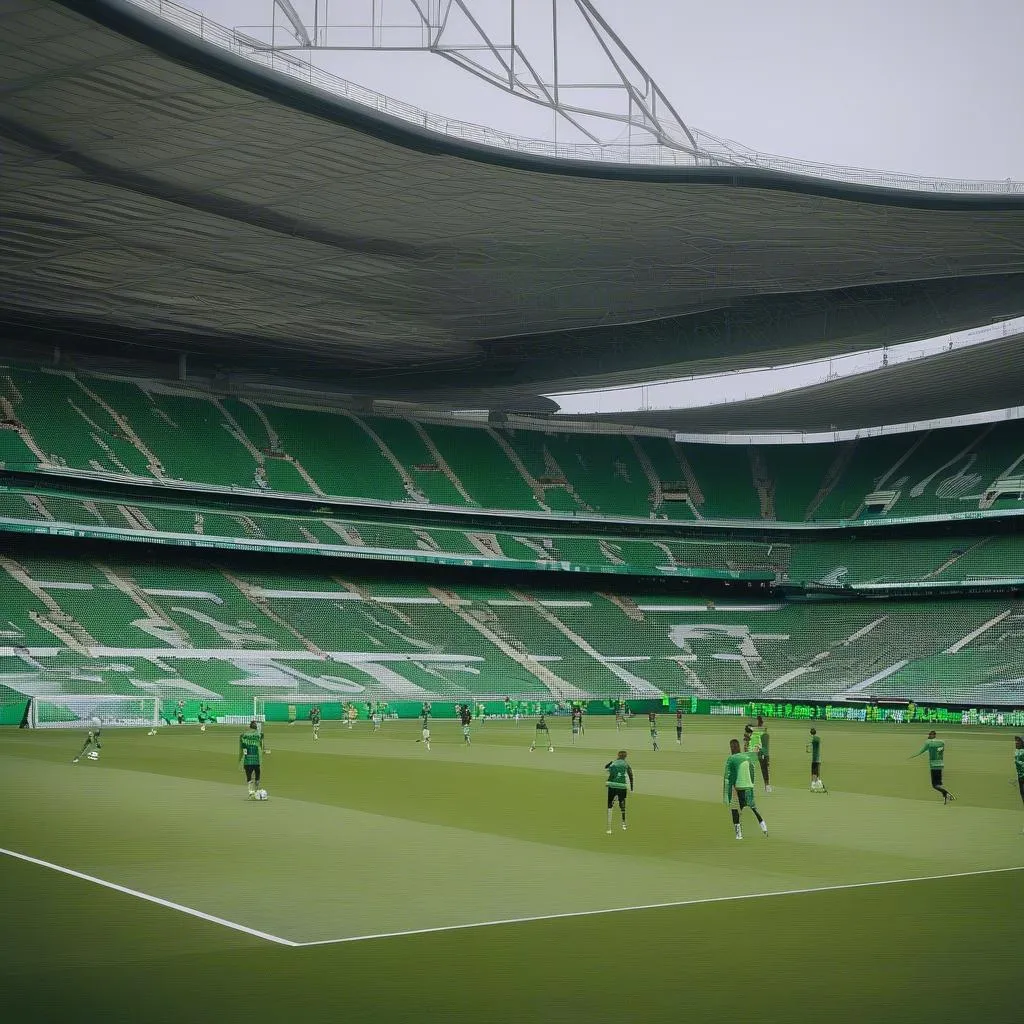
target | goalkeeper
[{"x": 92, "y": 744}]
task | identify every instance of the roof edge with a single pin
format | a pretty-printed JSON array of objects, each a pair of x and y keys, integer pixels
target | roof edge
[{"x": 176, "y": 44}]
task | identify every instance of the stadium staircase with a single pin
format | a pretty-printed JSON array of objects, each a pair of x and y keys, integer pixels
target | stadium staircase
[
  {"x": 763, "y": 484},
  {"x": 411, "y": 490},
  {"x": 678, "y": 485},
  {"x": 656, "y": 496},
  {"x": 837, "y": 469}
]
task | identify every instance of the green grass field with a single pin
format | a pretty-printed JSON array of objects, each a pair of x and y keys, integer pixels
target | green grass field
[{"x": 478, "y": 884}]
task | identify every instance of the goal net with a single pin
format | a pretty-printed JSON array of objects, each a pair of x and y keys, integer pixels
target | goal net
[
  {"x": 295, "y": 709},
  {"x": 69, "y": 711}
]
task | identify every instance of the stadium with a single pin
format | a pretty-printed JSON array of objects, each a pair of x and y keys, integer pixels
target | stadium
[{"x": 281, "y": 444}]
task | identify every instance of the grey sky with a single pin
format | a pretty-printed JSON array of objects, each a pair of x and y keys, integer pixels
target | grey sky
[{"x": 930, "y": 87}]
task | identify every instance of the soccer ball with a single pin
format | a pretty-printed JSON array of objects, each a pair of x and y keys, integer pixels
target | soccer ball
[
  {"x": 93, "y": 755},
  {"x": 202, "y": 728},
  {"x": 261, "y": 794},
  {"x": 551, "y": 750}
]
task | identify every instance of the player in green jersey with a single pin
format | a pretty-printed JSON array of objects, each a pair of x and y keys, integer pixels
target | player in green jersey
[
  {"x": 679, "y": 726},
  {"x": 250, "y": 756},
  {"x": 314, "y": 720},
  {"x": 207, "y": 716},
  {"x": 542, "y": 727},
  {"x": 652, "y": 721},
  {"x": 92, "y": 745},
  {"x": 935, "y": 749},
  {"x": 1018, "y": 762},
  {"x": 763, "y": 753},
  {"x": 754, "y": 743},
  {"x": 425, "y": 726},
  {"x": 620, "y": 782},
  {"x": 179, "y": 712},
  {"x": 814, "y": 749},
  {"x": 738, "y": 779}
]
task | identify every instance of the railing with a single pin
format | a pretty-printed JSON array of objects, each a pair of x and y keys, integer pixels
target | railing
[{"x": 715, "y": 152}]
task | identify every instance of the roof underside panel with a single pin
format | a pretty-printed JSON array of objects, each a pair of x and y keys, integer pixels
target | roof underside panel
[
  {"x": 157, "y": 193},
  {"x": 984, "y": 377}
]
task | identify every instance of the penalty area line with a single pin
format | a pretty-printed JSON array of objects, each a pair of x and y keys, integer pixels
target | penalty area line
[
  {"x": 659, "y": 906},
  {"x": 159, "y": 901}
]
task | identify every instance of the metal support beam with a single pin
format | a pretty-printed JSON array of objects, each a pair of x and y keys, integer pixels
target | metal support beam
[
  {"x": 620, "y": 96},
  {"x": 292, "y": 15}
]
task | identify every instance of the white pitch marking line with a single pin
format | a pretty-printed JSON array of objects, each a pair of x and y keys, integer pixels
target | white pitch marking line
[
  {"x": 169, "y": 904},
  {"x": 658, "y": 906}
]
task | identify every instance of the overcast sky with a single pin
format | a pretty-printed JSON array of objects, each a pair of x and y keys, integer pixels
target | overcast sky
[{"x": 930, "y": 87}]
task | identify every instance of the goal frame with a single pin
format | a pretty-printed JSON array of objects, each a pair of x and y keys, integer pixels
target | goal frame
[
  {"x": 149, "y": 718},
  {"x": 260, "y": 702}
]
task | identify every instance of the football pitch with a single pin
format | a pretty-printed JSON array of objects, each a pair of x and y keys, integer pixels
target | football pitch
[{"x": 381, "y": 881}]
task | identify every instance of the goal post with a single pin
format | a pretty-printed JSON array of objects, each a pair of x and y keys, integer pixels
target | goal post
[
  {"x": 75, "y": 711},
  {"x": 296, "y": 708}
]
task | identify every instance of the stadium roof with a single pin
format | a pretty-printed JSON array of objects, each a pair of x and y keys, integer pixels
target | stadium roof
[
  {"x": 157, "y": 192},
  {"x": 980, "y": 378}
]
